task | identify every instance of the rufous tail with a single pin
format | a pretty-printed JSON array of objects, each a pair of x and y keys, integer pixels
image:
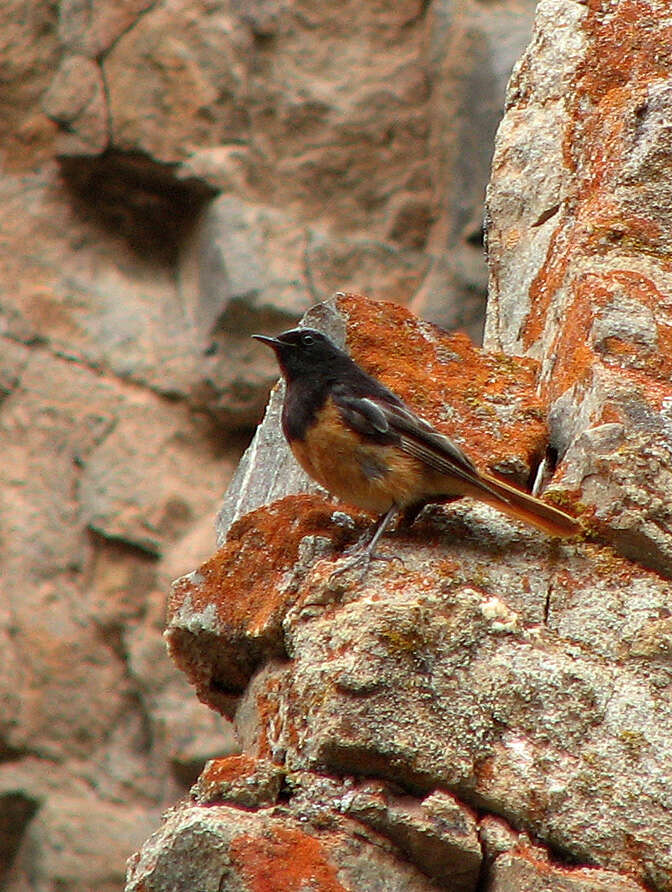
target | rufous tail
[{"x": 529, "y": 509}]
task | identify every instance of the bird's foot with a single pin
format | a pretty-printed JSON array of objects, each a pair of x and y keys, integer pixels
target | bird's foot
[
  {"x": 363, "y": 555},
  {"x": 362, "y": 558}
]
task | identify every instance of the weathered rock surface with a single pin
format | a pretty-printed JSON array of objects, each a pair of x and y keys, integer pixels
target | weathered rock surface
[
  {"x": 485, "y": 661},
  {"x": 579, "y": 245},
  {"x": 486, "y": 674},
  {"x": 218, "y": 848},
  {"x": 177, "y": 174},
  {"x": 340, "y": 835}
]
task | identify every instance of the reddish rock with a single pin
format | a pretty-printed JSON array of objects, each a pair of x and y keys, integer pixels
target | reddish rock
[
  {"x": 482, "y": 660},
  {"x": 217, "y": 847},
  {"x": 243, "y": 593},
  {"x": 284, "y": 860},
  {"x": 580, "y": 273},
  {"x": 486, "y": 402},
  {"x": 344, "y": 152},
  {"x": 239, "y": 780}
]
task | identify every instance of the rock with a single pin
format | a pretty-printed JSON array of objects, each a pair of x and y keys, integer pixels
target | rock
[
  {"x": 489, "y": 708},
  {"x": 95, "y": 854},
  {"x": 203, "y": 610},
  {"x": 30, "y": 54},
  {"x": 238, "y": 289},
  {"x": 91, "y": 30},
  {"x": 150, "y": 150},
  {"x": 154, "y": 507},
  {"x": 216, "y": 848},
  {"x": 528, "y": 870},
  {"x": 477, "y": 47},
  {"x": 88, "y": 296},
  {"x": 192, "y": 71},
  {"x": 437, "y": 833},
  {"x": 482, "y": 661},
  {"x": 17, "y": 808},
  {"x": 184, "y": 733},
  {"x": 309, "y": 838},
  {"x": 68, "y": 693},
  {"x": 363, "y": 264},
  {"x": 368, "y": 144},
  {"x": 76, "y": 100},
  {"x": 242, "y": 272},
  {"x": 239, "y": 780},
  {"x": 577, "y": 225}
]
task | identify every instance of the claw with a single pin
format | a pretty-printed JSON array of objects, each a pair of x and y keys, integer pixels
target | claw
[{"x": 364, "y": 555}]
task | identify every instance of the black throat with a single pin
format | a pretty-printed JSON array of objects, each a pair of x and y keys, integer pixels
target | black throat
[{"x": 304, "y": 398}]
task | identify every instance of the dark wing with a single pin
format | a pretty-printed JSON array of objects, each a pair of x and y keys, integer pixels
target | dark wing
[
  {"x": 366, "y": 415},
  {"x": 384, "y": 419}
]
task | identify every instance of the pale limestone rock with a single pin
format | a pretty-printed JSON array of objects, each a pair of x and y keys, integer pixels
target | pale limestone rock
[
  {"x": 578, "y": 239},
  {"x": 215, "y": 848},
  {"x": 76, "y": 100}
]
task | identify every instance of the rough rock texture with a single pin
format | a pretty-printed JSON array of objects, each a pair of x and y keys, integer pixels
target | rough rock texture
[
  {"x": 177, "y": 174},
  {"x": 485, "y": 661},
  {"x": 579, "y": 247},
  {"x": 494, "y": 706}
]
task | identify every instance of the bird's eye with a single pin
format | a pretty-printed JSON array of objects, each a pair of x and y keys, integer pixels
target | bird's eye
[{"x": 307, "y": 340}]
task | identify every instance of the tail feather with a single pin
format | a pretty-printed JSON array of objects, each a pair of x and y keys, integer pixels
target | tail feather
[{"x": 523, "y": 506}]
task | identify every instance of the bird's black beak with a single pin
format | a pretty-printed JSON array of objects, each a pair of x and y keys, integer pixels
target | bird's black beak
[{"x": 270, "y": 342}]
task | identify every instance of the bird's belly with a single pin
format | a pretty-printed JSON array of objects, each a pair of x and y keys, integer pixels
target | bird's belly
[{"x": 365, "y": 474}]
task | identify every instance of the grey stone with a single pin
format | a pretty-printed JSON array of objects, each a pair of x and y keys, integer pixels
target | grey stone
[
  {"x": 437, "y": 833},
  {"x": 222, "y": 849}
]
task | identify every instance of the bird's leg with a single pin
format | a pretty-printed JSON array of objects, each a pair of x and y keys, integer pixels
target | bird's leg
[
  {"x": 367, "y": 553},
  {"x": 381, "y": 525}
]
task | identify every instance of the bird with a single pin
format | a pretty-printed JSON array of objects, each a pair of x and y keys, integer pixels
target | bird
[{"x": 364, "y": 445}]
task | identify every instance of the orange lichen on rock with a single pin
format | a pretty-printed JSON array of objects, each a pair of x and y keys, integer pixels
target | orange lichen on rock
[
  {"x": 243, "y": 579},
  {"x": 626, "y": 50},
  {"x": 609, "y": 91},
  {"x": 241, "y": 780},
  {"x": 623, "y": 56},
  {"x": 644, "y": 357},
  {"x": 485, "y": 401},
  {"x": 228, "y": 769},
  {"x": 575, "y": 355},
  {"x": 285, "y": 860},
  {"x": 227, "y": 617}
]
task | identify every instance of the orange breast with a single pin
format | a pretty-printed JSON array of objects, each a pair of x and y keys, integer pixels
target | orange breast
[{"x": 365, "y": 474}]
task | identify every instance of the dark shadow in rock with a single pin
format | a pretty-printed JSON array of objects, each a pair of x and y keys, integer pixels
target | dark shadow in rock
[
  {"x": 132, "y": 196},
  {"x": 17, "y": 809}
]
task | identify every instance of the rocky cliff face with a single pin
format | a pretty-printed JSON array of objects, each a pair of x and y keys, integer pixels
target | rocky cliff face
[
  {"x": 175, "y": 175},
  {"x": 488, "y": 710}
]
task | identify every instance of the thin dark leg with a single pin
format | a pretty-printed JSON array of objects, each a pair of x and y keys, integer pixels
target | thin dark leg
[
  {"x": 367, "y": 553},
  {"x": 381, "y": 525}
]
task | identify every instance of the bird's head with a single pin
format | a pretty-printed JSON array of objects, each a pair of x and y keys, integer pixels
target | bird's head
[{"x": 304, "y": 351}]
